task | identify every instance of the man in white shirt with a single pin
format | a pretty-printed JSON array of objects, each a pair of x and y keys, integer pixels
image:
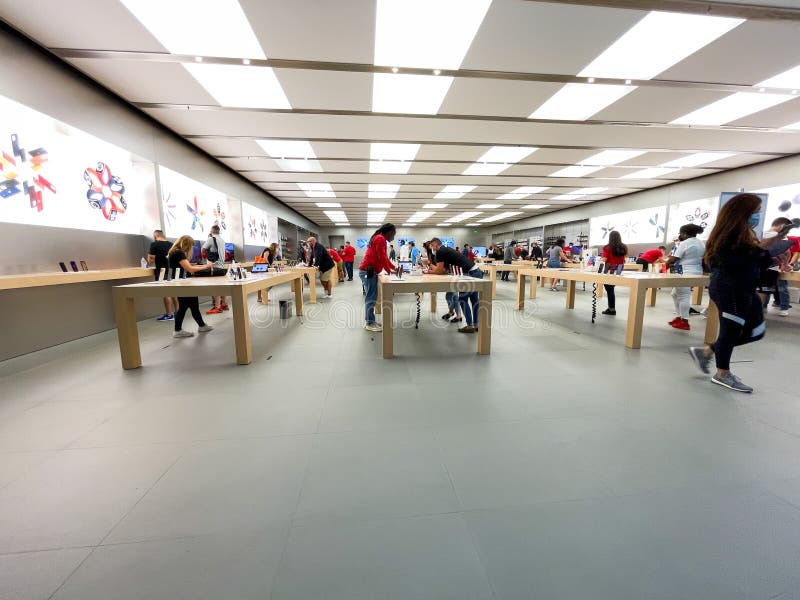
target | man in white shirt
[{"x": 214, "y": 247}]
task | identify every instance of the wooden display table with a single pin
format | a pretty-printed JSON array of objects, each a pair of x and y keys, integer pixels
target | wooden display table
[
  {"x": 312, "y": 280},
  {"x": 493, "y": 269},
  {"x": 639, "y": 284},
  {"x": 793, "y": 278},
  {"x": 389, "y": 285},
  {"x": 125, "y": 309},
  {"x": 12, "y": 282}
]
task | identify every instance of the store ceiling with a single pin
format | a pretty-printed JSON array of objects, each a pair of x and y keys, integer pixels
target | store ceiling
[{"x": 499, "y": 65}]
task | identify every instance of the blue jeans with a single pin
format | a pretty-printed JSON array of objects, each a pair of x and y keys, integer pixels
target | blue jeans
[
  {"x": 469, "y": 301},
  {"x": 371, "y": 294},
  {"x": 348, "y": 267},
  {"x": 452, "y": 302},
  {"x": 782, "y": 294}
]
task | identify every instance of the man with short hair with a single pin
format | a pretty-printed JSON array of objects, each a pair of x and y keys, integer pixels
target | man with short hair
[
  {"x": 414, "y": 254},
  {"x": 446, "y": 259},
  {"x": 349, "y": 257},
  {"x": 780, "y": 228},
  {"x": 652, "y": 256},
  {"x": 318, "y": 257},
  {"x": 508, "y": 256},
  {"x": 214, "y": 247},
  {"x": 337, "y": 260},
  {"x": 157, "y": 256}
]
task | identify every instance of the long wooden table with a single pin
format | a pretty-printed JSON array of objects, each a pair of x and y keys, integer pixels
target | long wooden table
[
  {"x": 493, "y": 269},
  {"x": 125, "y": 309},
  {"x": 312, "y": 280},
  {"x": 13, "y": 282},
  {"x": 639, "y": 284},
  {"x": 389, "y": 285}
]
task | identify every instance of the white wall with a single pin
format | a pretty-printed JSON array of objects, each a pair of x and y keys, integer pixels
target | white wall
[{"x": 462, "y": 235}]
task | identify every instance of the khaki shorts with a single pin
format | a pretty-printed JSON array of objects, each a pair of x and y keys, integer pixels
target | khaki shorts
[{"x": 326, "y": 276}]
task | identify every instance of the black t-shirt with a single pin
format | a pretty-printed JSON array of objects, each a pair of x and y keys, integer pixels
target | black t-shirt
[
  {"x": 175, "y": 258},
  {"x": 160, "y": 249},
  {"x": 449, "y": 257},
  {"x": 536, "y": 252}
]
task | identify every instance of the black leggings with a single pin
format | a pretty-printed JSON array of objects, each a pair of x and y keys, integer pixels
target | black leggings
[
  {"x": 644, "y": 263},
  {"x": 188, "y": 303},
  {"x": 612, "y": 297},
  {"x": 741, "y": 321}
]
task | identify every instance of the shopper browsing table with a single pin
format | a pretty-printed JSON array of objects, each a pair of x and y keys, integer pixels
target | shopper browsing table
[
  {"x": 508, "y": 257},
  {"x": 556, "y": 259},
  {"x": 375, "y": 261},
  {"x": 337, "y": 260},
  {"x": 652, "y": 256},
  {"x": 214, "y": 247},
  {"x": 446, "y": 259},
  {"x": 318, "y": 257},
  {"x": 158, "y": 257},
  {"x": 178, "y": 260},
  {"x": 613, "y": 256},
  {"x": 689, "y": 256},
  {"x": 348, "y": 254},
  {"x": 737, "y": 260}
]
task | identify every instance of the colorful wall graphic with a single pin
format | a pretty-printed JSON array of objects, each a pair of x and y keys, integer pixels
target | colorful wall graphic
[
  {"x": 55, "y": 175},
  {"x": 190, "y": 207},
  {"x": 260, "y": 228},
  {"x": 697, "y": 212},
  {"x": 783, "y": 201},
  {"x": 646, "y": 226}
]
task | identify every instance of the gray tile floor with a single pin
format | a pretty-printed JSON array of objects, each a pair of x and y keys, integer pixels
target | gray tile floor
[{"x": 563, "y": 466}]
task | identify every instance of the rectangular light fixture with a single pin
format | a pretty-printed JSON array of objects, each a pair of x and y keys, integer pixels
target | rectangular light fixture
[
  {"x": 485, "y": 169},
  {"x": 699, "y": 158},
  {"x": 376, "y": 216},
  {"x": 434, "y": 205},
  {"x": 575, "y": 171},
  {"x": 420, "y": 215},
  {"x": 240, "y": 86},
  {"x": 651, "y": 173},
  {"x": 409, "y": 224},
  {"x": 329, "y": 205},
  {"x": 489, "y": 206},
  {"x": 337, "y": 216},
  {"x": 607, "y": 158},
  {"x": 502, "y": 215},
  {"x": 378, "y": 205},
  {"x": 579, "y": 101},
  {"x": 657, "y": 42},
  {"x": 382, "y": 190},
  {"x": 473, "y": 224},
  {"x": 733, "y": 107},
  {"x": 391, "y": 158},
  {"x": 522, "y": 192},
  {"x": 443, "y": 224},
  {"x": 792, "y": 126},
  {"x": 408, "y": 94},
  {"x": 317, "y": 190},
  {"x": 535, "y": 206},
  {"x": 589, "y": 191},
  {"x": 424, "y": 34},
  {"x": 788, "y": 79},
  {"x": 506, "y": 154},
  {"x": 453, "y": 192},
  {"x": 463, "y": 216},
  {"x": 287, "y": 148}
]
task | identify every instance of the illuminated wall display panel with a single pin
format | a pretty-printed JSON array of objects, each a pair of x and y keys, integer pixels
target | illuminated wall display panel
[
  {"x": 783, "y": 201},
  {"x": 190, "y": 207},
  {"x": 260, "y": 228},
  {"x": 646, "y": 226},
  {"x": 698, "y": 212},
  {"x": 55, "y": 175}
]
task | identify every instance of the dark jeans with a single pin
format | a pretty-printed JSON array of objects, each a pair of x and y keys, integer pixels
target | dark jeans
[
  {"x": 348, "y": 267},
  {"x": 371, "y": 295},
  {"x": 611, "y": 295},
  {"x": 741, "y": 321},
  {"x": 469, "y": 301},
  {"x": 504, "y": 274},
  {"x": 188, "y": 303},
  {"x": 644, "y": 263}
]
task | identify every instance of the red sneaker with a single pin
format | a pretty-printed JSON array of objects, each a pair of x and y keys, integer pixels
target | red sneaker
[
  {"x": 224, "y": 307},
  {"x": 214, "y": 311},
  {"x": 681, "y": 324},
  {"x": 675, "y": 320}
]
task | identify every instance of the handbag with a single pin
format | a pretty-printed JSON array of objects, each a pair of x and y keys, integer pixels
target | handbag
[{"x": 213, "y": 256}]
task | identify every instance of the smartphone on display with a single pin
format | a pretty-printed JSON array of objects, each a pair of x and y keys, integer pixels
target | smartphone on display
[
  {"x": 63, "y": 267},
  {"x": 83, "y": 266},
  {"x": 73, "y": 265}
]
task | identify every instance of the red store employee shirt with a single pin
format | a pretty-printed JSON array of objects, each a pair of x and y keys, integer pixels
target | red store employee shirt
[
  {"x": 611, "y": 260},
  {"x": 376, "y": 256},
  {"x": 652, "y": 256},
  {"x": 348, "y": 254}
]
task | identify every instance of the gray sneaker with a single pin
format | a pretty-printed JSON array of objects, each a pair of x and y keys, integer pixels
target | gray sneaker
[
  {"x": 700, "y": 359},
  {"x": 732, "y": 382}
]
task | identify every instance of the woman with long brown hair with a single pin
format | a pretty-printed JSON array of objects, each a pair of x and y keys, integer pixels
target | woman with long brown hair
[
  {"x": 614, "y": 254},
  {"x": 736, "y": 259},
  {"x": 178, "y": 259}
]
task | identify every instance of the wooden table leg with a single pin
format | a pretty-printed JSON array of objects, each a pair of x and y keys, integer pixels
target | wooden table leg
[
  {"x": 697, "y": 295},
  {"x": 241, "y": 327},
  {"x": 388, "y": 325},
  {"x": 493, "y": 278},
  {"x": 127, "y": 331},
  {"x": 651, "y": 296},
  {"x": 297, "y": 288},
  {"x": 712, "y": 323},
  {"x": 534, "y": 283},
  {"x": 521, "y": 291},
  {"x": 600, "y": 289},
  {"x": 484, "y": 324},
  {"x": 541, "y": 281},
  {"x": 570, "y": 293},
  {"x": 379, "y": 299},
  {"x": 312, "y": 288},
  {"x": 633, "y": 332},
  {"x": 433, "y": 302}
]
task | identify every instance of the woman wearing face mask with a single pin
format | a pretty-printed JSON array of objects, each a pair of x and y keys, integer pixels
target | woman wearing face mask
[
  {"x": 736, "y": 259},
  {"x": 689, "y": 257},
  {"x": 375, "y": 261}
]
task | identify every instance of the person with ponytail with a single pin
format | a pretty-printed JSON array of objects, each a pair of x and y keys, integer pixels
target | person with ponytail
[
  {"x": 614, "y": 254},
  {"x": 687, "y": 259},
  {"x": 375, "y": 261},
  {"x": 179, "y": 261},
  {"x": 736, "y": 259}
]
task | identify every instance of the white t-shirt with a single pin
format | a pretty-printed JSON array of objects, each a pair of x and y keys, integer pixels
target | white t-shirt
[
  {"x": 690, "y": 252},
  {"x": 220, "y": 249}
]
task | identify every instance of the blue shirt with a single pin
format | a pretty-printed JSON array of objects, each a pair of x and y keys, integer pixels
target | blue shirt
[{"x": 415, "y": 256}]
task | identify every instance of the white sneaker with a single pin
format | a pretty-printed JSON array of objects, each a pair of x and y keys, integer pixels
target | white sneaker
[
  {"x": 783, "y": 313},
  {"x": 373, "y": 327},
  {"x": 205, "y": 328},
  {"x": 329, "y": 295},
  {"x": 182, "y": 333}
]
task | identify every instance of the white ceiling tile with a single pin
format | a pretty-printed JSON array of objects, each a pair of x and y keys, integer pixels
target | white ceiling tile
[
  {"x": 326, "y": 89},
  {"x": 496, "y": 97}
]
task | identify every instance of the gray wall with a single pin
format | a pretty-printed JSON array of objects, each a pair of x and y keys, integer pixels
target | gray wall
[
  {"x": 36, "y": 318},
  {"x": 462, "y": 235}
]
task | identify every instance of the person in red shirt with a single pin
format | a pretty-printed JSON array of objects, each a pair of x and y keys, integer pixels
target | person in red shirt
[
  {"x": 654, "y": 255},
  {"x": 375, "y": 260},
  {"x": 339, "y": 263},
  {"x": 348, "y": 254},
  {"x": 614, "y": 255}
]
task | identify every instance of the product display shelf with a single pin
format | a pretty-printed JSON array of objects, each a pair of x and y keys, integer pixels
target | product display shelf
[{"x": 27, "y": 280}]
